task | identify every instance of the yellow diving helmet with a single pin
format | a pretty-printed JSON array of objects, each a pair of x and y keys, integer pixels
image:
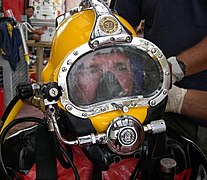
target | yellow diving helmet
[{"x": 109, "y": 77}]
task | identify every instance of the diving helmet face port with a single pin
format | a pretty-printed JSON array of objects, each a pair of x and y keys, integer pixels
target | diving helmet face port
[
  {"x": 112, "y": 77},
  {"x": 112, "y": 73}
]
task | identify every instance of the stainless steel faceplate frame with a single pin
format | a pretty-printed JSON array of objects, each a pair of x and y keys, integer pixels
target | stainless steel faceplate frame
[{"x": 121, "y": 103}]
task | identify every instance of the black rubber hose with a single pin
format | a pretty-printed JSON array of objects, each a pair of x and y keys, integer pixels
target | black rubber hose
[
  {"x": 71, "y": 163},
  {"x": 60, "y": 151},
  {"x": 6, "y": 130},
  {"x": 9, "y": 108}
]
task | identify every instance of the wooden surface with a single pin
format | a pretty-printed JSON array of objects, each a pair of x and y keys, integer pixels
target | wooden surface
[{"x": 40, "y": 45}]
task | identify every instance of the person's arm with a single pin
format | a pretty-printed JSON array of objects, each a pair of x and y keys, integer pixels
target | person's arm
[
  {"x": 195, "y": 58},
  {"x": 38, "y": 31},
  {"x": 194, "y": 105},
  {"x": 191, "y": 103}
]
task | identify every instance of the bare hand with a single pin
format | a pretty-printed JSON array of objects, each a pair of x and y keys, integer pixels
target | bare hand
[
  {"x": 40, "y": 31},
  {"x": 44, "y": 27}
]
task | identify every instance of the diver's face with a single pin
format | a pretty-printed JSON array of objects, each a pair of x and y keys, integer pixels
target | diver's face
[{"x": 109, "y": 72}]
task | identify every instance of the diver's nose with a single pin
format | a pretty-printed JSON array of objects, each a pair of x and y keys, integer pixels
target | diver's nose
[{"x": 109, "y": 87}]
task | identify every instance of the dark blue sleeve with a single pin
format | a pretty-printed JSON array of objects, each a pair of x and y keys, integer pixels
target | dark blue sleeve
[
  {"x": 130, "y": 10},
  {"x": 10, "y": 45},
  {"x": 1, "y": 38}
]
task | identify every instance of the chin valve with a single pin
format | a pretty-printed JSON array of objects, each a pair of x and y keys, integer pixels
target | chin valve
[{"x": 125, "y": 135}]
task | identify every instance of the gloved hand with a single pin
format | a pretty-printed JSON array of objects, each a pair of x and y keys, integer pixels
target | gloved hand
[
  {"x": 175, "y": 99},
  {"x": 177, "y": 72}
]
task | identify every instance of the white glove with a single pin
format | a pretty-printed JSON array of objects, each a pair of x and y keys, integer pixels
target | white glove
[
  {"x": 175, "y": 99},
  {"x": 177, "y": 73}
]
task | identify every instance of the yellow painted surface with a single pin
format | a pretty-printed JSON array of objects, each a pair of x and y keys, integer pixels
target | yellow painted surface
[
  {"x": 72, "y": 33},
  {"x": 15, "y": 110},
  {"x": 101, "y": 122}
]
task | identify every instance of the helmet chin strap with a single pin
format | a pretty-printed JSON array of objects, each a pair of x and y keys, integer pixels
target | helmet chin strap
[{"x": 109, "y": 87}]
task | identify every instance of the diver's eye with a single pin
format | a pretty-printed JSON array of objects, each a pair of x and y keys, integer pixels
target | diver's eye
[
  {"x": 89, "y": 71},
  {"x": 121, "y": 67},
  {"x": 94, "y": 70}
]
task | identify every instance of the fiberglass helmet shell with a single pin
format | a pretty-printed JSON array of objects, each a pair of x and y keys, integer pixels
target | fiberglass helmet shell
[{"x": 108, "y": 76}]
